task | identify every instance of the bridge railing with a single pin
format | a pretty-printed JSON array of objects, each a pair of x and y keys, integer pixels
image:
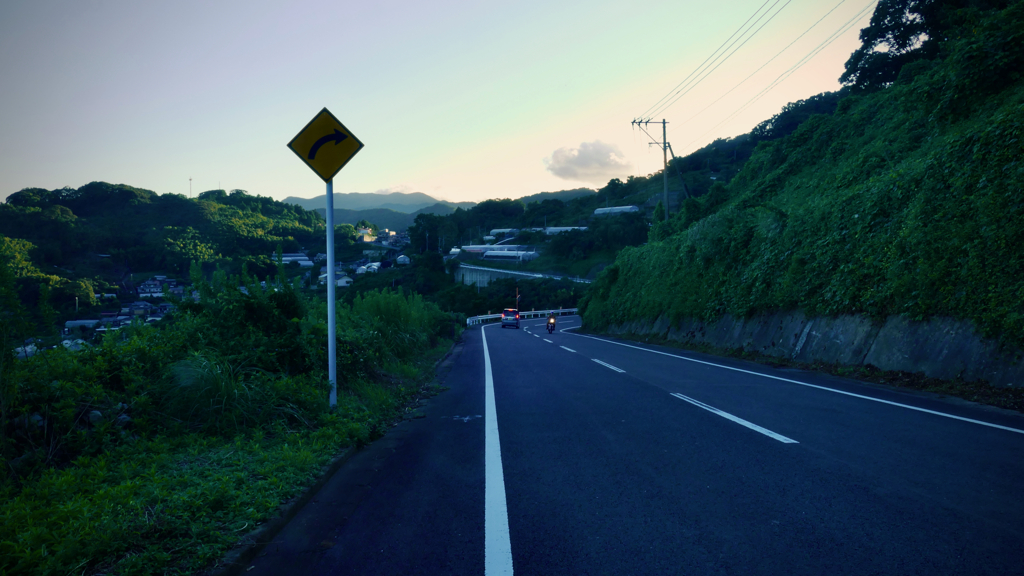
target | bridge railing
[
  {"x": 523, "y": 315},
  {"x": 526, "y": 274}
]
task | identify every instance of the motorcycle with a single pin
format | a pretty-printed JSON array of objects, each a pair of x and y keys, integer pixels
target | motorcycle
[{"x": 551, "y": 325}]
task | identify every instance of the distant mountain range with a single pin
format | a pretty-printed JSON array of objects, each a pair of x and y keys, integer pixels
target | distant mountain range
[
  {"x": 397, "y": 201},
  {"x": 563, "y": 195},
  {"x": 385, "y": 217},
  {"x": 398, "y": 210}
]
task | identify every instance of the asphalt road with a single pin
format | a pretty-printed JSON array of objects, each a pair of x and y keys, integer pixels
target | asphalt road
[{"x": 605, "y": 457}]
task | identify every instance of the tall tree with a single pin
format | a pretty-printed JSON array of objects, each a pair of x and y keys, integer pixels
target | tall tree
[
  {"x": 898, "y": 34},
  {"x": 903, "y": 31}
]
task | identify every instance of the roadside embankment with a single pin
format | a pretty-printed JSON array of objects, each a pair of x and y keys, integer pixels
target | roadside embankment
[{"x": 943, "y": 348}]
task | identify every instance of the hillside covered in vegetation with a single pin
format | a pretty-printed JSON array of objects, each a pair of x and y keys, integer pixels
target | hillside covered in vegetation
[{"x": 907, "y": 200}]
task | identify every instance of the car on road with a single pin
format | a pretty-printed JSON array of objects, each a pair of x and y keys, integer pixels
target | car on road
[{"x": 510, "y": 317}]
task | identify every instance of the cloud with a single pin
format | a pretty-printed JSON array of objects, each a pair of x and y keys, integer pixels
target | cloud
[
  {"x": 400, "y": 188},
  {"x": 594, "y": 162}
]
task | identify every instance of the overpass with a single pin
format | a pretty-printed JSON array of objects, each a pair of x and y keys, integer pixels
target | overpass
[{"x": 482, "y": 276}]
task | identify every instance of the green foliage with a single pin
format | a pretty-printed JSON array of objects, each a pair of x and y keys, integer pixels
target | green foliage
[
  {"x": 659, "y": 211},
  {"x": 184, "y": 246},
  {"x": 905, "y": 201},
  {"x": 903, "y": 32},
  {"x": 398, "y": 326},
  {"x": 368, "y": 225},
  {"x": 609, "y": 233},
  {"x": 147, "y": 231},
  {"x": 157, "y": 448}
]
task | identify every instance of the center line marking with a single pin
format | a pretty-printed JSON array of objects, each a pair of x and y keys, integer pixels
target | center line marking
[
  {"x": 569, "y": 349},
  {"x": 548, "y": 341},
  {"x": 497, "y": 545},
  {"x": 736, "y": 419},
  {"x": 608, "y": 365}
]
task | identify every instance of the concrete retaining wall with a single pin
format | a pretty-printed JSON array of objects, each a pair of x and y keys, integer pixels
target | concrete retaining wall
[{"x": 938, "y": 347}]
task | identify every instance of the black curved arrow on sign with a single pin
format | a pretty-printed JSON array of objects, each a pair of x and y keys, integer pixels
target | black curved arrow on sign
[{"x": 337, "y": 137}]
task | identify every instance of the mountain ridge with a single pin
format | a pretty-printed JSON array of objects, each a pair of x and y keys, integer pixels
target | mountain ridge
[
  {"x": 405, "y": 202},
  {"x": 414, "y": 202}
]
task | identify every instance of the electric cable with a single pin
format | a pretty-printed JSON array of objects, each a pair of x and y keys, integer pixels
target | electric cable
[
  {"x": 669, "y": 95},
  {"x": 691, "y": 84},
  {"x": 694, "y": 85},
  {"x": 810, "y": 55},
  {"x": 770, "y": 60}
]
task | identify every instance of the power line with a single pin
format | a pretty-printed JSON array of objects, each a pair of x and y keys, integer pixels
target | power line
[
  {"x": 810, "y": 55},
  {"x": 770, "y": 60},
  {"x": 696, "y": 70},
  {"x": 690, "y": 85},
  {"x": 708, "y": 73}
]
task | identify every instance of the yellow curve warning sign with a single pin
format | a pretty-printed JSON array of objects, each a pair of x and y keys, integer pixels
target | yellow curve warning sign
[{"x": 325, "y": 145}]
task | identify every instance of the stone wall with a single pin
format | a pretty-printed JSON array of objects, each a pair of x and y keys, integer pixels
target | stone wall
[{"x": 938, "y": 347}]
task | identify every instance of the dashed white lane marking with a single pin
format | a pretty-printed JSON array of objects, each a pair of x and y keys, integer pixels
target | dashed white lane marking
[
  {"x": 861, "y": 396},
  {"x": 548, "y": 341},
  {"x": 497, "y": 545},
  {"x": 569, "y": 349},
  {"x": 736, "y": 419},
  {"x": 535, "y": 336},
  {"x": 607, "y": 365}
]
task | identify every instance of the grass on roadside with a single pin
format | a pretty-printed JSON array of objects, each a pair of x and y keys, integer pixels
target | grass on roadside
[{"x": 177, "y": 504}]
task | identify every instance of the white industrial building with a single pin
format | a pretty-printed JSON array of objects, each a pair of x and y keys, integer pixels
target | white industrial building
[
  {"x": 340, "y": 280},
  {"x": 302, "y": 259}
]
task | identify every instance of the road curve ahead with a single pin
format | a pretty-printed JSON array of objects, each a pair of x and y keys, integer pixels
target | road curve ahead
[{"x": 586, "y": 455}]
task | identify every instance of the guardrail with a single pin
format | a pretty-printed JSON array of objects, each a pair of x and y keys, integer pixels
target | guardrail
[
  {"x": 526, "y": 274},
  {"x": 523, "y": 315}
]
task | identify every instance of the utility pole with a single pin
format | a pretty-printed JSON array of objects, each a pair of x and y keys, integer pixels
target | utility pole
[
  {"x": 664, "y": 156},
  {"x": 190, "y": 187},
  {"x": 641, "y": 123}
]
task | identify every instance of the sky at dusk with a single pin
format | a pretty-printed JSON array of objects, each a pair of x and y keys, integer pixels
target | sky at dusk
[{"x": 461, "y": 100}]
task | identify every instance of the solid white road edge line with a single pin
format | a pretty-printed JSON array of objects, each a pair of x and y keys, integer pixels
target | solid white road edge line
[
  {"x": 497, "y": 545},
  {"x": 569, "y": 349},
  {"x": 736, "y": 419},
  {"x": 861, "y": 396},
  {"x": 608, "y": 365},
  {"x": 548, "y": 341}
]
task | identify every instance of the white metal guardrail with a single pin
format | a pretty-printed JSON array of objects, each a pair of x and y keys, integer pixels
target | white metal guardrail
[
  {"x": 523, "y": 315},
  {"x": 526, "y": 274}
]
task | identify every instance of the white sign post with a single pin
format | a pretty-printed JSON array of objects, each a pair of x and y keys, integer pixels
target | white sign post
[{"x": 325, "y": 145}]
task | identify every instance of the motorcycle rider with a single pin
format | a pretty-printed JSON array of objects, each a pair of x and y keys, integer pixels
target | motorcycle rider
[{"x": 551, "y": 322}]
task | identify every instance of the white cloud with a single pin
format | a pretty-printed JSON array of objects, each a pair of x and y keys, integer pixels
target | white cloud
[
  {"x": 593, "y": 162},
  {"x": 400, "y": 188}
]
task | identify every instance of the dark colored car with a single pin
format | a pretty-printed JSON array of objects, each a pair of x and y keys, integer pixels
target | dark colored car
[{"x": 510, "y": 317}]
